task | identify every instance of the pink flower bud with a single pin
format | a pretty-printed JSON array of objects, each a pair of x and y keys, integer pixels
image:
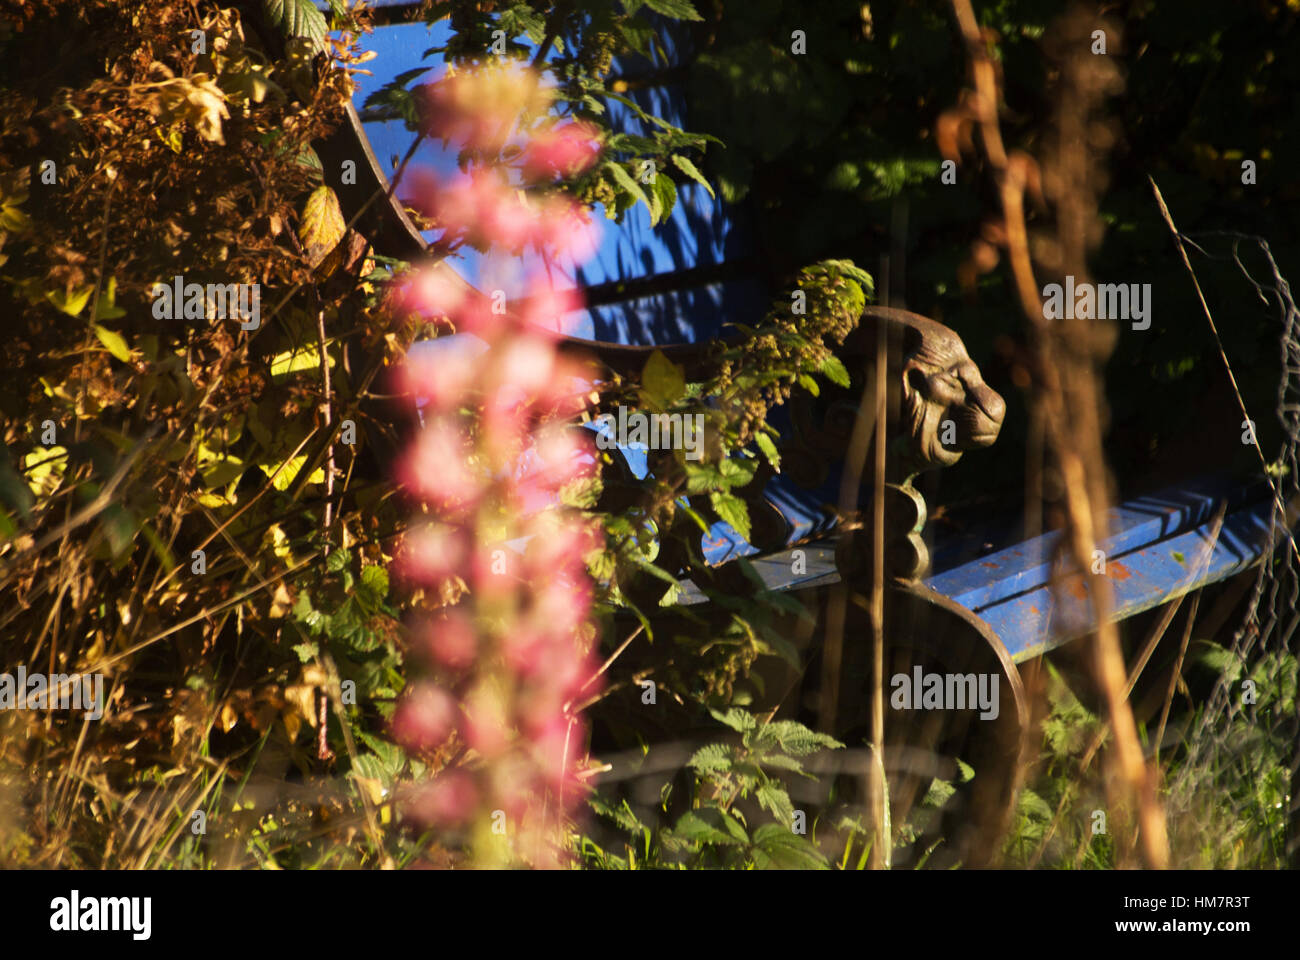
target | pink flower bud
[
  {"x": 449, "y": 801},
  {"x": 567, "y": 149},
  {"x": 546, "y": 308},
  {"x": 425, "y": 717},
  {"x": 442, "y": 372},
  {"x": 431, "y": 553},
  {"x": 450, "y": 640},
  {"x": 437, "y": 468}
]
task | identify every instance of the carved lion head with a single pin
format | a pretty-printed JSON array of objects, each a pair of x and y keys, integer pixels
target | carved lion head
[{"x": 946, "y": 408}]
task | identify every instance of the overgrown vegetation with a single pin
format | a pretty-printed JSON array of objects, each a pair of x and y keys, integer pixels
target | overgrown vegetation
[{"x": 180, "y": 511}]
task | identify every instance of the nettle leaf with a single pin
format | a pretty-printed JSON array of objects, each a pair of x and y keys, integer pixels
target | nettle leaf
[
  {"x": 739, "y": 720},
  {"x": 766, "y": 444},
  {"x": 834, "y": 371},
  {"x": 677, "y": 9},
  {"x": 297, "y": 18},
  {"x": 710, "y": 826},
  {"x": 665, "y": 195},
  {"x": 732, "y": 510},
  {"x": 626, "y": 181},
  {"x": 307, "y": 652},
  {"x": 772, "y": 797},
  {"x": 691, "y": 170},
  {"x": 737, "y": 471},
  {"x": 714, "y": 758},
  {"x": 796, "y": 739},
  {"x": 849, "y": 269},
  {"x": 779, "y": 761},
  {"x": 778, "y": 847}
]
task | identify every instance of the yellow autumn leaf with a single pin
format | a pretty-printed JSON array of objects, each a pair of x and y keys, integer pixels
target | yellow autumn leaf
[
  {"x": 71, "y": 303},
  {"x": 285, "y": 478},
  {"x": 229, "y": 717},
  {"x": 115, "y": 343},
  {"x": 322, "y": 225},
  {"x": 44, "y": 467}
]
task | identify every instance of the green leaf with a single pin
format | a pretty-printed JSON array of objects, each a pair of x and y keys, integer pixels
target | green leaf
[
  {"x": 778, "y": 847},
  {"x": 710, "y": 826},
  {"x": 106, "y": 307},
  {"x": 687, "y": 167},
  {"x": 375, "y": 579},
  {"x": 809, "y": 384},
  {"x": 663, "y": 382},
  {"x": 714, "y": 758},
  {"x": 297, "y": 18},
  {"x": 115, "y": 343},
  {"x": 665, "y": 195},
  {"x": 731, "y": 509},
  {"x": 834, "y": 371},
  {"x": 796, "y": 739},
  {"x": 677, "y": 9},
  {"x": 626, "y": 181},
  {"x": 772, "y": 797},
  {"x": 852, "y": 271},
  {"x": 739, "y": 720},
  {"x": 768, "y": 447},
  {"x": 307, "y": 652},
  {"x": 71, "y": 303}
]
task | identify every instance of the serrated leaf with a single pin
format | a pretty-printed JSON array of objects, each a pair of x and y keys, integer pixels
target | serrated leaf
[
  {"x": 375, "y": 579},
  {"x": 114, "y": 342},
  {"x": 626, "y": 181},
  {"x": 796, "y": 739},
  {"x": 735, "y": 718},
  {"x": 322, "y": 225},
  {"x": 677, "y": 9},
  {"x": 665, "y": 196},
  {"x": 297, "y": 18},
  {"x": 307, "y": 652},
  {"x": 768, "y": 447},
  {"x": 710, "y": 826},
  {"x": 778, "y": 847},
  {"x": 732, "y": 510},
  {"x": 691, "y": 170},
  {"x": 771, "y": 796},
  {"x": 713, "y": 758},
  {"x": 834, "y": 371}
]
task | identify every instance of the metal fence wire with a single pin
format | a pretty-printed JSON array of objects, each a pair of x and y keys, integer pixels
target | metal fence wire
[{"x": 1243, "y": 745}]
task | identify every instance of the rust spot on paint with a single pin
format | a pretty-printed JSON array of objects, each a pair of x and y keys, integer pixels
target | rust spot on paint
[
  {"x": 1117, "y": 571},
  {"x": 989, "y": 564}
]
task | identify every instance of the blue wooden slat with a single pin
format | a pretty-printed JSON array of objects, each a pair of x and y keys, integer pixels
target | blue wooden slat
[
  {"x": 1135, "y": 523},
  {"x": 1011, "y": 590}
]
